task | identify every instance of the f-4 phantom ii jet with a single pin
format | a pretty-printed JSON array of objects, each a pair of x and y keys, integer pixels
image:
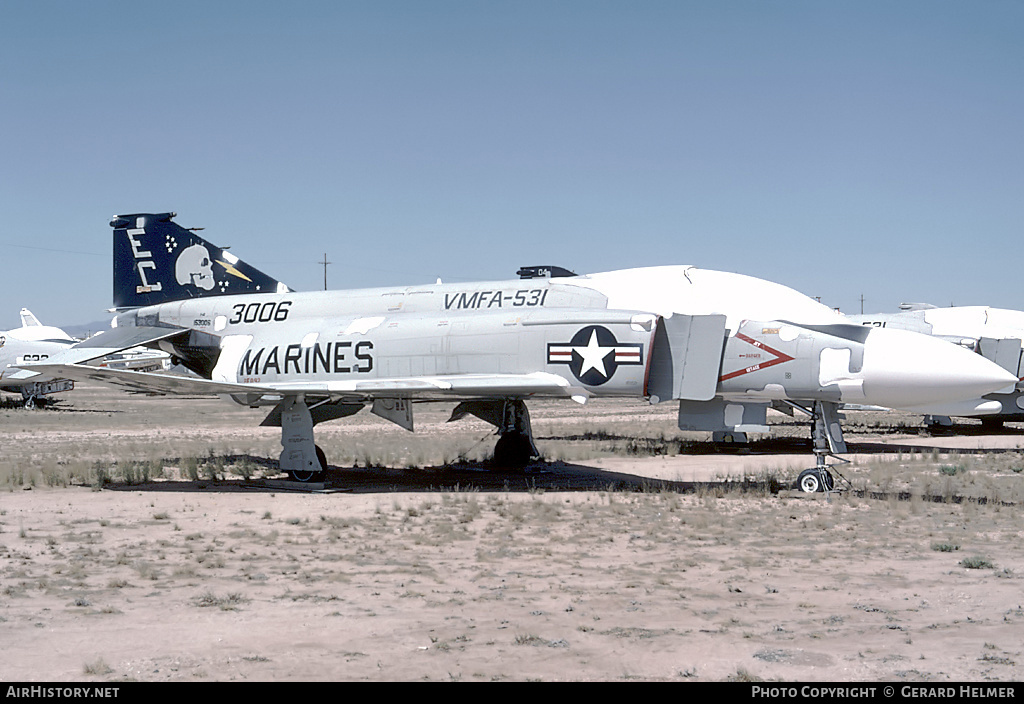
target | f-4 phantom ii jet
[
  {"x": 724, "y": 346},
  {"x": 32, "y": 342},
  {"x": 994, "y": 333}
]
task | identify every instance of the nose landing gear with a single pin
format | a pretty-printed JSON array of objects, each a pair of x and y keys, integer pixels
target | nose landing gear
[{"x": 827, "y": 435}]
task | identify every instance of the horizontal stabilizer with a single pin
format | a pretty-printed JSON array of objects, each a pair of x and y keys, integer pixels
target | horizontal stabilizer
[
  {"x": 110, "y": 342},
  {"x": 146, "y": 382}
]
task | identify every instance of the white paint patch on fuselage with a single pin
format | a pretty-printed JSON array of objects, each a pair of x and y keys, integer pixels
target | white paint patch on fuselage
[
  {"x": 768, "y": 391},
  {"x": 833, "y": 365},
  {"x": 361, "y": 326},
  {"x": 788, "y": 333},
  {"x": 232, "y": 347},
  {"x": 733, "y": 414}
]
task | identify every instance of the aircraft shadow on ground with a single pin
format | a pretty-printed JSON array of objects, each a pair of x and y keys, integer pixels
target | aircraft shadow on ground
[{"x": 539, "y": 476}]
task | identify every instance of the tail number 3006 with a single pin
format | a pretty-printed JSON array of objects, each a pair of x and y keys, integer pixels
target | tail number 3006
[{"x": 271, "y": 311}]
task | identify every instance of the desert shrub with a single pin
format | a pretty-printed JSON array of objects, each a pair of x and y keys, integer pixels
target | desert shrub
[
  {"x": 977, "y": 563},
  {"x": 190, "y": 468}
]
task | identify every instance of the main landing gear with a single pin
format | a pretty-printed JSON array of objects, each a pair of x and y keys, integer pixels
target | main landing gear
[
  {"x": 515, "y": 448},
  {"x": 32, "y": 402},
  {"x": 301, "y": 458},
  {"x": 304, "y": 461},
  {"x": 298, "y": 475}
]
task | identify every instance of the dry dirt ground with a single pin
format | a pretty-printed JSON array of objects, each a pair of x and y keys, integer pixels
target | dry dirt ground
[{"x": 603, "y": 564}]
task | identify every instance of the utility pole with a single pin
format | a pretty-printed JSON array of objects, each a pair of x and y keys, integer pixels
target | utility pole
[
  {"x": 861, "y": 301},
  {"x": 325, "y": 263}
]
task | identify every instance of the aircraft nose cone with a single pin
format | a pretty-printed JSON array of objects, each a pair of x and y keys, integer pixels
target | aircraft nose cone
[{"x": 904, "y": 370}]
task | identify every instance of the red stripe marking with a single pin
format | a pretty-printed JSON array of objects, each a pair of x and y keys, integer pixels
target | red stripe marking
[{"x": 780, "y": 357}]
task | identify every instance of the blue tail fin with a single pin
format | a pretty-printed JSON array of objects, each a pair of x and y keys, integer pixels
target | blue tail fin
[{"x": 156, "y": 260}]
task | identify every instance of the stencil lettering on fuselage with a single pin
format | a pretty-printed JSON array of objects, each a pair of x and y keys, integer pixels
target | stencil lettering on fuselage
[
  {"x": 341, "y": 357},
  {"x": 477, "y": 300}
]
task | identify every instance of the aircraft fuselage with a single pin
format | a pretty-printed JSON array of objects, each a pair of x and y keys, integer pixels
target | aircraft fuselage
[{"x": 564, "y": 328}]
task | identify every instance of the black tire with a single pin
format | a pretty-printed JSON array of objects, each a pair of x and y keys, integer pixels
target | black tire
[
  {"x": 810, "y": 481},
  {"x": 991, "y": 425},
  {"x": 513, "y": 451},
  {"x": 321, "y": 458}
]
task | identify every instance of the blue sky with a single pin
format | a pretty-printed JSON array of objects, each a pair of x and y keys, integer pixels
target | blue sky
[{"x": 841, "y": 148}]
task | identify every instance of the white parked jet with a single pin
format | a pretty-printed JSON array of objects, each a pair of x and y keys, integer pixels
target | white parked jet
[
  {"x": 32, "y": 342},
  {"x": 724, "y": 346},
  {"x": 994, "y": 333}
]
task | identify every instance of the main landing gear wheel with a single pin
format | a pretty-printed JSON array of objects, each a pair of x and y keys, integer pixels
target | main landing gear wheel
[
  {"x": 815, "y": 480},
  {"x": 991, "y": 425},
  {"x": 297, "y": 476},
  {"x": 513, "y": 450}
]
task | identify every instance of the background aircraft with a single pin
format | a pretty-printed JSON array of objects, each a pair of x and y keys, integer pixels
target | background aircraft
[
  {"x": 32, "y": 342},
  {"x": 724, "y": 346},
  {"x": 994, "y": 333}
]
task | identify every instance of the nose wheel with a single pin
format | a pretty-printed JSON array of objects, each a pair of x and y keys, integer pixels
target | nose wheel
[{"x": 814, "y": 480}]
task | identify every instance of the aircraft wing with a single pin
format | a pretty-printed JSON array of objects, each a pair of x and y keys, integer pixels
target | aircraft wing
[
  {"x": 420, "y": 388},
  {"x": 441, "y": 386}
]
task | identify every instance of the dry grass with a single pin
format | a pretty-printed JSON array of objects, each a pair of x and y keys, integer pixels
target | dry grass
[{"x": 98, "y": 436}]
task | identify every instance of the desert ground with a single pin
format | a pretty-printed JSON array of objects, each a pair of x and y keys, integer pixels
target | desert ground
[{"x": 150, "y": 539}]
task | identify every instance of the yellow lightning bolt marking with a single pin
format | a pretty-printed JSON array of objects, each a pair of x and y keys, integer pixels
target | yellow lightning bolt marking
[{"x": 234, "y": 272}]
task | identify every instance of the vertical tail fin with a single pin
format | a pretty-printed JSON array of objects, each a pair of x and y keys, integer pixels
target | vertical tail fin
[
  {"x": 28, "y": 319},
  {"x": 157, "y": 260}
]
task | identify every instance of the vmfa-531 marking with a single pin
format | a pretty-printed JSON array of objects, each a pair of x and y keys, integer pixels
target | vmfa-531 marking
[
  {"x": 724, "y": 346},
  {"x": 485, "y": 299}
]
